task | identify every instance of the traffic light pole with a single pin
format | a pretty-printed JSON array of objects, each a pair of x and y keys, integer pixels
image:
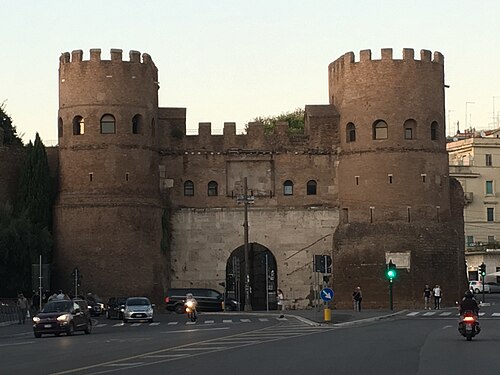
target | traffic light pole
[
  {"x": 391, "y": 305},
  {"x": 484, "y": 287},
  {"x": 248, "y": 303}
]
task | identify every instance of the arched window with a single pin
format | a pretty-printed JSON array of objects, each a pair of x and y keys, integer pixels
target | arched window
[
  {"x": 60, "y": 127},
  {"x": 434, "y": 131},
  {"x": 410, "y": 129},
  {"x": 108, "y": 124},
  {"x": 380, "y": 129},
  {"x": 350, "y": 132},
  {"x": 212, "y": 189},
  {"x": 188, "y": 188},
  {"x": 311, "y": 187},
  {"x": 78, "y": 125},
  {"x": 137, "y": 124},
  {"x": 288, "y": 187}
]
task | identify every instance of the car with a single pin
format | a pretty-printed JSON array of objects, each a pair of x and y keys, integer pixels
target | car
[
  {"x": 96, "y": 306},
  {"x": 115, "y": 307},
  {"x": 62, "y": 316},
  {"x": 493, "y": 287},
  {"x": 207, "y": 299},
  {"x": 477, "y": 286},
  {"x": 138, "y": 308}
]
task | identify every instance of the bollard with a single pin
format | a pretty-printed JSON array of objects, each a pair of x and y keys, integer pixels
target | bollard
[{"x": 327, "y": 314}]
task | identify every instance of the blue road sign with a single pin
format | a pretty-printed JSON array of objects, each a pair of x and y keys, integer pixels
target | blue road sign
[{"x": 326, "y": 294}]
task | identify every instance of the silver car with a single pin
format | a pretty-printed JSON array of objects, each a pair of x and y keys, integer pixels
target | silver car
[{"x": 138, "y": 308}]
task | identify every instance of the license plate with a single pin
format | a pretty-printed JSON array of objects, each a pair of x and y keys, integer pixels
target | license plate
[
  {"x": 48, "y": 325},
  {"x": 468, "y": 327}
]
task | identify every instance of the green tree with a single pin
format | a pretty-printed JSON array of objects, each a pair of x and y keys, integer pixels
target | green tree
[
  {"x": 10, "y": 136},
  {"x": 295, "y": 120}
]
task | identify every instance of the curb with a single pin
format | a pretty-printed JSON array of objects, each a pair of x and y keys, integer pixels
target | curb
[{"x": 368, "y": 320}]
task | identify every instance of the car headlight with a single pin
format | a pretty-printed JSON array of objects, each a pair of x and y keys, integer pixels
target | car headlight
[
  {"x": 63, "y": 318},
  {"x": 101, "y": 305},
  {"x": 150, "y": 310},
  {"x": 122, "y": 310},
  {"x": 36, "y": 319}
]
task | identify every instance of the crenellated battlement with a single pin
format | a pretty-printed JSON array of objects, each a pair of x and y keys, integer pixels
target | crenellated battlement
[
  {"x": 365, "y": 56},
  {"x": 76, "y": 56}
]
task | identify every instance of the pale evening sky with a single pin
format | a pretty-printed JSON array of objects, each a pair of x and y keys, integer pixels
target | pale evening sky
[{"x": 231, "y": 61}]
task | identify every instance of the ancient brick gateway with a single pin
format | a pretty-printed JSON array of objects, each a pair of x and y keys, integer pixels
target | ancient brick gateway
[{"x": 142, "y": 206}]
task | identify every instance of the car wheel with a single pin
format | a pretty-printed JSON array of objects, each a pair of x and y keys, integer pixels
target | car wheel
[
  {"x": 38, "y": 335},
  {"x": 71, "y": 330},
  {"x": 476, "y": 291},
  {"x": 179, "y": 309},
  {"x": 88, "y": 330}
]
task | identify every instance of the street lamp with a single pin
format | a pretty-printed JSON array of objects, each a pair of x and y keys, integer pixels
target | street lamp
[{"x": 246, "y": 200}]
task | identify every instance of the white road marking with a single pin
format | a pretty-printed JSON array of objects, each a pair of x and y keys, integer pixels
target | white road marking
[
  {"x": 165, "y": 355},
  {"x": 136, "y": 324},
  {"x": 429, "y": 313},
  {"x": 196, "y": 329},
  {"x": 495, "y": 314},
  {"x": 172, "y": 323},
  {"x": 445, "y": 313},
  {"x": 209, "y": 321},
  {"x": 119, "y": 325},
  {"x": 18, "y": 343},
  {"x": 263, "y": 319},
  {"x": 245, "y": 320},
  {"x": 154, "y": 324},
  {"x": 481, "y": 314},
  {"x": 124, "y": 364},
  {"x": 101, "y": 325},
  {"x": 413, "y": 313},
  {"x": 227, "y": 321},
  {"x": 190, "y": 323}
]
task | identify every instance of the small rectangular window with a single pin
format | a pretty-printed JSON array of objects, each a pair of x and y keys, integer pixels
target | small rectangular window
[
  {"x": 356, "y": 179},
  {"x": 489, "y": 187},
  {"x": 371, "y": 214},
  {"x": 470, "y": 240},
  {"x": 424, "y": 176},
  {"x": 390, "y": 178},
  {"x": 490, "y": 214},
  {"x": 438, "y": 213},
  {"x": 408, "y": 214},
  {"x": 408, "y": 133},
  {"x": 489, "y": 160},
  {"x": 491, "y": 239},
  {"x": 91, "y": 176},
  {"x": 126, "y": 176}
]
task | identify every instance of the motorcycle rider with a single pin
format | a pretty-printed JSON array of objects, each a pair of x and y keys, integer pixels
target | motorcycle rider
[
  {"x": 469, "y": 303},
  {"x": 190, "y": 298}
]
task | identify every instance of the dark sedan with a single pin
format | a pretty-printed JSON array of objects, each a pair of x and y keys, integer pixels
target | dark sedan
[{"x": 62, "y": 316}]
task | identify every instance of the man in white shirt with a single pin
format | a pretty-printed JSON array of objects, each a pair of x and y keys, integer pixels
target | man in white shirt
[{"x": 437, "y": 297}]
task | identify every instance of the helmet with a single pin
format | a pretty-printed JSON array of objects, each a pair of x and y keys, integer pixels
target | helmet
[
  {"x": 189, "y": 296},
  {"x": 468, "y": 294}
]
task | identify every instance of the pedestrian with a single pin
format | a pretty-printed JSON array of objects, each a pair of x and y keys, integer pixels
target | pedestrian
[
  {"x": 52, "y": 297},
  {"x": 22, "y": 305},
  {"x": 281, "y": 300},
  {"x": 438, "y": 294},
  {"x": 35, "y": 302},
  {"x": 427, "y": 297},
  {"x": 357, "y": 297},
  {"x": 61, "y": 295}
]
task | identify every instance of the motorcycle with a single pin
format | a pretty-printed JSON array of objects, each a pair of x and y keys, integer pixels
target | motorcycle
[
  {"x": 468, "y": 325},
  {"x": 190, "y": 307}
]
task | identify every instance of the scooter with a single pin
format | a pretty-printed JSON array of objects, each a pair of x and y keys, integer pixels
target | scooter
[
  {"x": 468, "y": 325},
  {"x": 190, "y": 307}
]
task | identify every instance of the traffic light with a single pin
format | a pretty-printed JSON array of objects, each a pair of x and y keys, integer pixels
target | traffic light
[
  {"x": 320, "y": 261},
  {"x": 390, "y": 271},
  {"x": 482, "y": 269}
]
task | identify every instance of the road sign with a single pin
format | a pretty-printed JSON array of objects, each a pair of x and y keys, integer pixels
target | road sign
[{"x": 326, "y": 294}]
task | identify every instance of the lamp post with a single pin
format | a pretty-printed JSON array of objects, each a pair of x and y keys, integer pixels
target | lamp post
[{"x": 246, "y": 200}]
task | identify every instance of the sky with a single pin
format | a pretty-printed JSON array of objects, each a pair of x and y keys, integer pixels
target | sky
[{"x": 233, "y": 61}]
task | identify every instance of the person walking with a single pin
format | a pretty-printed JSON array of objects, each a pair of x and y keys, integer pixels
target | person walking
[
  {"x": 357, "y": 297},
  {"x": 281, "y": 300},
  {"x": 427, "y": 297},
  {"x": 22, "y": 305},
  {"x": 438, "y": 294}
]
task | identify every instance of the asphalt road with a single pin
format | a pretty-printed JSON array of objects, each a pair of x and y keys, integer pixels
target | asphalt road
[{"x": 415, "y": 342}]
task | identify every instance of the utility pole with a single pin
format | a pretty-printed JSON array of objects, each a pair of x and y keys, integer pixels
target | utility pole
[{"x": 248, "y": 303}]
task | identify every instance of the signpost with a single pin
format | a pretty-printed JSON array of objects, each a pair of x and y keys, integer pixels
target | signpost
[{"x": 326, "y": 295}]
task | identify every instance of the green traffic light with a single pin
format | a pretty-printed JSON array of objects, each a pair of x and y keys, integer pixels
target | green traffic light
[{"x": 391, "y": 274}]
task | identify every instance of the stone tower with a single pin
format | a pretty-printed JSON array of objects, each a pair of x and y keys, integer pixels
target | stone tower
[
  {"x": 395, "y": 194},
  {"x": 108, "y": 210}
]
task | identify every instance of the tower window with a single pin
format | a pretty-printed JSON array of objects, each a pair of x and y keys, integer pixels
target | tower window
[
  {"x": 408, "y": 214},
  {"x": 438, "y": 213},
  {"x": 212, "y": 189},
  {"x": 60, "y": 127},
  {"x": 126, "y": 176},
  {"x": 434, "y": 131},
  {"x": 356, "y": 179},
  {"x": 350, "y": 132},
  {"x": 424, "y": 177},
  {"x": 288, "y": 187},
  {"x": 78, "y": 126},
  {"x": 380, "y": 130},
  {"x": 489, "y": 187},
  {"x": 188, "y": 188},
  {"x": 108, "y": 124},
  {"x": 390, "y": 178},
  {"x": 371, "y": 214},
  {"x": 488, "y": 160},
  {"x": 137, "y": 124},
  {"x": 311, "y": 187},
  {"x": 410, "y": 128},
  {"x": 91, "y": 176}
]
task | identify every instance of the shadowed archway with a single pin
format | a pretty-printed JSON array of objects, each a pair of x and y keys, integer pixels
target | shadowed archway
[{"x": 262, "y": 261}]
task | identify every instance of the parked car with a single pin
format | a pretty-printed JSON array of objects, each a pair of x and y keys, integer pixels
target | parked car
[
  {"x": 138, "y": 308},
  {"x": 96, "y": 306},
  {"x": 493, "y": 287},
  {"x": 477, "y": 287},
  {"x": 62, "y": 316},
  {"x": 115, "y": 307},
  {"x": 208, "y": 300}
]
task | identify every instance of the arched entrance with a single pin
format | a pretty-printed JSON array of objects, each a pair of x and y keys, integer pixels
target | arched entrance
[{"x": 262, "y": 291}]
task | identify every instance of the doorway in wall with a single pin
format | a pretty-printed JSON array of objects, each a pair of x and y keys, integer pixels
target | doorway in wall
[{"x": 263, "y": 277}]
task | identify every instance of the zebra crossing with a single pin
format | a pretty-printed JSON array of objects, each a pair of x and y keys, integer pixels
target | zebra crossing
[
  {"x": 447, "y": 314},
  {"x": 198, "y": 322}
]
